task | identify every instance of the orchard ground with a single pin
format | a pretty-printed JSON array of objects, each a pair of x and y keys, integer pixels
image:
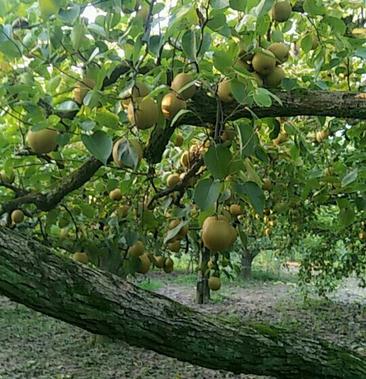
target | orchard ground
[{"x": 36, "y": 346}]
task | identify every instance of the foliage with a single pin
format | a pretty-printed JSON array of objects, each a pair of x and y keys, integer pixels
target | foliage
[{"x": 73, "y": 66}]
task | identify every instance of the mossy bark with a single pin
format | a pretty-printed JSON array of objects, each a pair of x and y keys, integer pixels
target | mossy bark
[{"x": 103, "y": 303}]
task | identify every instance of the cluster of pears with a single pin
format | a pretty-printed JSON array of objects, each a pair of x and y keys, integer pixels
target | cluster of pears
[
  {"x": 190, "y": 156},
  {"x": 137, "y": 250},
  {"x": 174, "y": 243},
  {"x": 143, "y": 111},
  {"x": 217, "y": 233}
]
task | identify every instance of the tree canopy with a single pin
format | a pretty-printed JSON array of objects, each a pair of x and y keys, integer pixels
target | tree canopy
[{"x": 121, "y": 117}]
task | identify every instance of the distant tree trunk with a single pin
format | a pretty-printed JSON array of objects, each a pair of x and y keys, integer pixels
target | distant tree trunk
[
  {"x": 103, "y": 303},
  {"x": 202, "y": 290},
  {"x": 246, "y": 263}
]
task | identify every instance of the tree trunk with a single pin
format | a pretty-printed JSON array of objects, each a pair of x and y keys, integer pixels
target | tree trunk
[
  {"x": 246, "y": 264},
  {"x": 202, "y": 289},
  {"x": 102, "y": 303}
]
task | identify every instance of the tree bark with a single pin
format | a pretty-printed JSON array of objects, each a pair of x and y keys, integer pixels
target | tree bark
[
  {"x": 246, "y": 264},
  {"x": 300, "y": 102},
  {"x": 102, "y": 303},
  {"x": 202, "y": 289}
]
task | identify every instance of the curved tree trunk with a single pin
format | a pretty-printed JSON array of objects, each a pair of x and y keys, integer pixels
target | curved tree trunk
[
  {"x": 246, "y": 264},
  {"x": 102, "y": 303}
]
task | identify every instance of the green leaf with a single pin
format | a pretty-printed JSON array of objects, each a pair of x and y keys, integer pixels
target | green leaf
[
  {"x": 206, "y": 193},
  {"x": 350, "y": 177},
  {"x": 8, "y": 46},
  {"x": 262, "y": 97},
  {"x": 218, "y": 159},
  {"x": 70, "y": 15},
  {"x": 189, "y": 44},
  {"x": 107, "y": 118},
  {"x": 238, "y": 5},
  {"x": 248, "y": 138},
  {"x": 219, "y": 4},
  {"x": 99, "y": 145},
  {"x": 222, "y": 61},
  {"x": 174, "y": 232},
  {"x": 338, "y": 26},
  {"x": 238, "y": 90},
  {"x": 77, "y": 35},
  {"x": 314, "y": 7},
  {"x": 253, "y": 192}
]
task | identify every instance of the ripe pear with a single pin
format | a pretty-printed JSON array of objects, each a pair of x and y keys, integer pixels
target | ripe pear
[
  {"x": 140, "y": 89},
  {"x": 171, "y": 104},
  {"x": 280, "y": 50},
  {"x": 275, "y": 78},
  {"x": 122, "y": 211},
  {"x": 362, "y": 235},
  {"x": 17, "y": 216},
  {"x": 143, "y": 113},
  {"x": 144, "y": 264},
  {"x": 119, "y": 145},
  {"x": 321, "y": 135},
  {"x": 217, "y": 234},
  {"x": 174, "y": 246},
  {"x": 258, "y": 79},
  {"x": 43, "y": 141},
  {"x": 214, "y": 283},
  {"x": 228, "y": 135},
  {"x": 172, "y": 180},
  {"x": 267, "y": 231},
  {"x": 81, "y": 257},
  {"x": 281, "y": 11},
  {"x": 168, "y": 265},
  {"x": 82, "y": 88},
  {"x": 159, "y": 261},
  {"x": 182, "y": 80},
  {"x": 235, "y": 209},
  {"x": 185, "y": 159},
  {"x": 137, "y": 249},
  {"x": 173, "y": 224},
  {"x": 7, "y": 177},
  {"x": 115, "y": 194},
  {"x": 267, "y": 184},
  {"x": 264, "y": 62},
  {"x": 178, "y": 140},
  {"x": 224, "y": 91}
]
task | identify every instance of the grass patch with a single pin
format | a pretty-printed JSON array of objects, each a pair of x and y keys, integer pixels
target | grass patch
[{"x": 151, "y": 284}]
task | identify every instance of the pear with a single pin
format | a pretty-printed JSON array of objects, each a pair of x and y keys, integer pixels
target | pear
[
  {"x": 281, "y": 11},
  {"x": 171, "y": 104},
  {"x": 42, "y": 141},
  {"x": 264, "y": 62},
  {"x": 224, "y": 91},
  {"x": 280, "y": 50},
  {"x": 182, "y": 80},
  {"x": 143, "y": 113}
]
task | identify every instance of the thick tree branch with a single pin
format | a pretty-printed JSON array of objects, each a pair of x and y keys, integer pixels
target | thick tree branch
[
  {"x": 300, "y": 102},
  {"x": 102, "y": 303},
  {"x": 49, "y": 200}
]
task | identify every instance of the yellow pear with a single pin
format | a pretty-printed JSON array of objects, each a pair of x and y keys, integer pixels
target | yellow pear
[
  {"x": 275, "y": 78},
  {"x": 144, "y": 264},
  {"x": 214, "y": 283},
  {"x": 281, "y": 11},
  {"x": 280, "y": 50},
  {"x": 172, "y": 104},
  {"x": 143, "y": 113},
  {"x": 224, "y": 91},
  {"x": 115, "y": 194},
  {"x": 264, "y": 62},
  {"x": 182, "y": 80},
  {"x": 137, "y": 249},
  {"x": 17, "y": 216},
  {"x": 172, "y": 180},
  {"x": 42, "y": 141},
  {"x": 116, "y": 153},
  {"x": 81, "y": 257}
]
